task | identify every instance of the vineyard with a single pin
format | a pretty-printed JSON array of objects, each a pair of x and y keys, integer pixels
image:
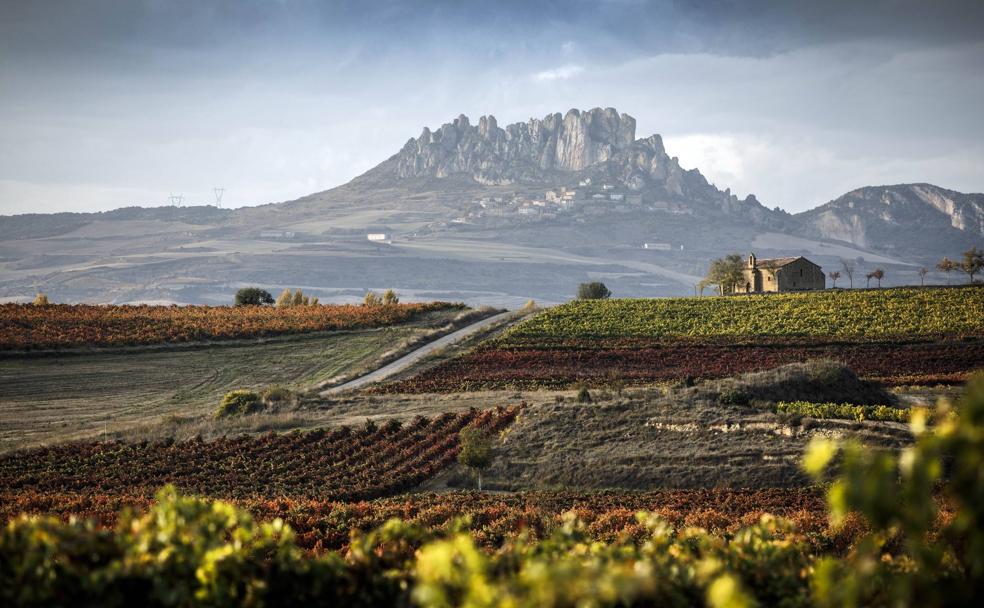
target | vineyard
[
  {"x": 844, "y": 411},
  {"x": 492, "y": 367},
  {"x": 849, "y": 314},
  {"x": 29, "y": 327},
  {"x": 342, "y": 464},
  {"x": 897, "y": 336},
  {"x": 713, "y": 548},
  {"x": 491, "y": 520}
]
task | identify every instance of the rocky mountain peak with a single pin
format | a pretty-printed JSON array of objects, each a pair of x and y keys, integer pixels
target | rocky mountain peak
[{"x": 490, "y": 154}]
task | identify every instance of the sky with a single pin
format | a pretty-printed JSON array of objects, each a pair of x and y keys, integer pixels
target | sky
[{"x": 105, "y": 104}]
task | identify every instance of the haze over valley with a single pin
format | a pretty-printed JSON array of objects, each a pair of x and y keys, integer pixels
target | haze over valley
[{"x": 481, "y": 214}]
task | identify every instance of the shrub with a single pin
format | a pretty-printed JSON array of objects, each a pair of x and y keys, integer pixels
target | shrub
[
  {"x": 583, "y": 394},
  {"x": 277, "y": 394},
  {"x": 253, "y": 296},
  {"x": 238, "y": 403},
  {"x": 730, "y": 396},
  {"x": 41, "y": 299},
  {"x": 592, "y": 291},
  {"x": 390, "y": 297},
  {"x": 372, "y": 299}
]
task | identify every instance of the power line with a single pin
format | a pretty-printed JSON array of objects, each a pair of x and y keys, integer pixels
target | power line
[
  {"x": 176, "y": 200},
  {"x": 218, "y": 196}
]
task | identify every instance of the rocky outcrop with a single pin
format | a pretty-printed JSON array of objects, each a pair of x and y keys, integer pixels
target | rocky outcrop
[
  {"x": 521, "y": 151},
  {"x": 556, "y": 150},
  {"x": 907, "y": 219}
]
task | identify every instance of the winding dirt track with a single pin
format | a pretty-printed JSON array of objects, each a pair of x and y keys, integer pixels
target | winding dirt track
[{"x": 414, "y": 356}]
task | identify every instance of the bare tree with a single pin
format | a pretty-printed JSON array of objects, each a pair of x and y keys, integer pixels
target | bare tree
[
  {"x": 946, "y": 266},
  {"x": 922, "y": 276},
  {"x": 834, "y": 275},
  {"x": 972, "y": 263},
  {"x": 848, "y": 268}
]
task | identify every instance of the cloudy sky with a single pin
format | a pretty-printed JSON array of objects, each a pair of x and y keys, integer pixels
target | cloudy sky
[{"x": 112, "y": 103}]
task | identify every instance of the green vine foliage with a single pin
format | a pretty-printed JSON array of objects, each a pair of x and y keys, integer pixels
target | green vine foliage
[
  {"x": 187, "y": 551},
  {"x": 910, "y": 558},
  {"x": 844, "y": 411}
]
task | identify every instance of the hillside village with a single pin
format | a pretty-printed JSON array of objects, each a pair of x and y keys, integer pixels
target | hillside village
[{"x": 579, "y": 202}]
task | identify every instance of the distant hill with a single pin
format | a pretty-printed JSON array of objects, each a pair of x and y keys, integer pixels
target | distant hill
[
  {"x": 906, "y": 219},
  {"x": 482, "y": 214}
]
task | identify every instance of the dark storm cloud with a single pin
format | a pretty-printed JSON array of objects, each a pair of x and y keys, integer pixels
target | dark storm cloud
[
  {"x": 719, "y": 26},
  {"x": 114, "y": 102}
]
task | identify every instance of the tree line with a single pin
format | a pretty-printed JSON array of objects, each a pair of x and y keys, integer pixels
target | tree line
[{"x": 254, "y": 296}]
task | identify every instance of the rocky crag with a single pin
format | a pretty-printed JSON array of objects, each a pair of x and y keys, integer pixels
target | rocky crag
[
  {"x": 597, "y": 144},
  {"x": 909, "y": 219}
]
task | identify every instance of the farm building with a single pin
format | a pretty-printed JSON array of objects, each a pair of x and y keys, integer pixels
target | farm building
[
  {"x": 276, "y": 234},
  {"x": 780, "y": 274}
]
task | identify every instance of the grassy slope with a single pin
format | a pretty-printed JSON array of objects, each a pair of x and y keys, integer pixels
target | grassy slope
[
  {"x": 75, "y": 396},
  {"x": 683, "y": 438}
]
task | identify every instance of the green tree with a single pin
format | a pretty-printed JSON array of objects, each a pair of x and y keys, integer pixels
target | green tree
[
  {"x": 253, "y": 296},
  {"x": 946, "y": 266},
  {"x": 41, "y": 299},
  {"x": 593, "y": 291},
  {"x": 372, "y": 299},
  {"x": 477, "y": 450},
  {"x": 972, "y": 262},
  {"x": 726, "y": 273},
  {"x": 298, "y": 299}
]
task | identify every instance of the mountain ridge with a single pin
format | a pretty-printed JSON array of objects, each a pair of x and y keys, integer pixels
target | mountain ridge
[
  {"x": 483, "y": 214},
  {"x": 597, "y": 144},
  {"x": 889, "y": 218}
]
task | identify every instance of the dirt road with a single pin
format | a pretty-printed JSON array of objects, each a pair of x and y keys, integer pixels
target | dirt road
[{"x": 413, "y": 357}]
